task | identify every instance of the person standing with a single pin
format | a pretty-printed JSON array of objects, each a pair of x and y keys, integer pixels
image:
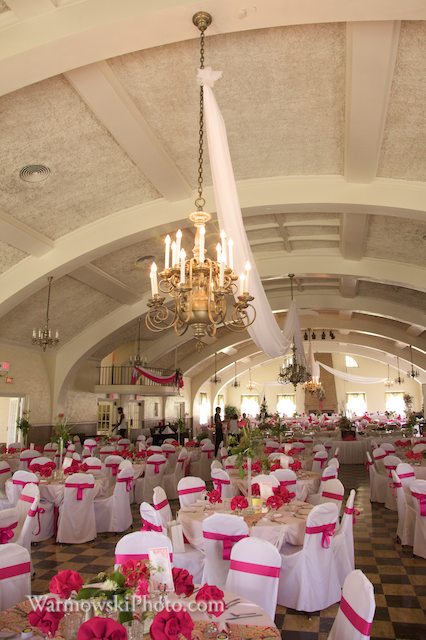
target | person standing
[
  {"x": 218, "y": 430},
  {"x": 121, "y": 425}
]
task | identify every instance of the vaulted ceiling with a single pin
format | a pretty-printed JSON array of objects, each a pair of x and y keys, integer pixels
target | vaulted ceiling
[{"x": 324, "y": 105}]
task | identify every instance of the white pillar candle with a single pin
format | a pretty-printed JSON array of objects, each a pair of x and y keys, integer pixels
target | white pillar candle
[
  {"x": 201, "y": 241},
  {"x": 247, "y": 268},
  {"x": 167, "y": 252},
  {"x": 249, "y": 494},
  {"x": 223, "y": 242},
  {"x": 57, "y": 335},
  {"x": 34, "y": 333},
  {"x": 182, "y": 266},
  {"x": 231, "y": 253},
  {"x": 242, "y": 278},
  {"x": 221, "y": 272},
  {"x": 178, "y": 242},
  {"x": 154, "y": 283},
  {"x": 218, "y": 251},
  {"x": 174, "y": 254}
]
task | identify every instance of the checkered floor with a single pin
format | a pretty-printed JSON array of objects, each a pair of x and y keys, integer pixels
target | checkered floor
[{"x": 399, "y": 579}]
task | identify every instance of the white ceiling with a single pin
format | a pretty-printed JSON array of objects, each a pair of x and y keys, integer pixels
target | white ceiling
[{"x": 325, "y": 113}]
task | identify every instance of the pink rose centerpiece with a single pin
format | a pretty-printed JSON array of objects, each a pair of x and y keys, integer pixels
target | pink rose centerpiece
[
  {"x": 238, "y": 503},
  {"x": 65, "y": 582},
  {"x": 213, "y": 597}
]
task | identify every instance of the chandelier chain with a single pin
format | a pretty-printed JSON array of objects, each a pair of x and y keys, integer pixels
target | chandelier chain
[
  {"x": 200, "y": 201},
  {"x": 50, "y": 278}
]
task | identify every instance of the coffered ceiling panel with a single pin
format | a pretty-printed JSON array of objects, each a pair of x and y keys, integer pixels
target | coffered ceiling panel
[
  {"x": 403, "y": 152},
  {"x": 9, "y": 256},
  {"x": 47, "y": 123},
  {"x": 397, "y": 239},
  {"x": 73, "y": 307},
  {"x": 409, "y": 297},
  {"x": 281, "y": 95}
]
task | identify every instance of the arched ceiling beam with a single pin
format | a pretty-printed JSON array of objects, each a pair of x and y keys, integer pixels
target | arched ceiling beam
[
  {"x": 76, "y": 249},
  {"x": 81, "y": 33}
]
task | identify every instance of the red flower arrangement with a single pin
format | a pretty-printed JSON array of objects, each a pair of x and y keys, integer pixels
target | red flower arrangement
[
  {"x": 214, "y": 496},
  {"x": 275, "y": 466},
  {"x": 238, "y": 503},
  {"x": 213, "y": 597},
  {"x": 83, "y": 468},
  {"x": 65, "y": 582},
  {"x": 255, "y": 489},
  {"x": 414, "y": 456},
  {"x": 47, "y": 616},
  {"x": 133, "y": 572},
  {"x": 274, "y": 502},
  {"x": 183, "y": 582},
  {"x": 141, "y": 454},
  {"x": 295, "y": 466},
  {"x": 403, "y": 443},
  {"x": 170, "y": 625},
  {"x": 74, "y": 467},
  {"x": 285, "y": 495},
  {"x": 126, "y": 454},
  {"x": 192, "y": 443},
  {"x": 12, "y": 450}
]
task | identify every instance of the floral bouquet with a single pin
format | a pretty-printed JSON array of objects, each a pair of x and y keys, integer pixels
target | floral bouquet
[
  {"x": 285, "y": 495},
  {"x": 238, "y": 503},
  {"x": 214, "y": 496},
  {"x": 274, "y": 502}
]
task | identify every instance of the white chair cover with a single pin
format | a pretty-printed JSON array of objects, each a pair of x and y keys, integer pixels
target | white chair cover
[
  {"x": 356, "y": 611},
  {"x": 418, "y": 492},
  {"x": 266, "y": 484},
  {"x": 190, "y": 489},
  {"x": 343, "y": 541},
  {"x": 26, "y": 458},
  {"x": 206, "y": 458},
  {"x": 15, "y": 575},
  {"x": 51, "y": 447},
  {"x": 91, "y": 445},
  {"x": 220, "y": 533},
  {"x": 151, "y": 519},
  {"x": 288, "y": 479},
  {"x": 230, "y": 463},
  {"x": 105, "y": 451},
  {"x": 16, "y": 445},
  {"x": 94, "y": 466},
  {"x": 318, "y": 447},
  {"x": 135, "y": 546},
  {"x": 171, "y": 479},
  {"x": 334, "y": 462},
  {"x": 205, "y": 441},
  {"x": 378, "y": 482},
  {"x": 271, "y": 444},
  {"x": 333, "y": 491},
  {"x": 222, "y": 483},
  {"x": 406, "y": 513},
  {"x": 329, "y": 473},
  {"x": 390, "y": 464},
  {"x": 28, "y": 516},
  {"x": 222, "y": 454},
  {"x": 319, "y": 461},
  {"x": 40, "y": 460},
  {"x": 112, "y": 464},
  {"x": 19, "y": 480},
  {"x": 309, "y": 580},
  {"x": 5, "y": 474},
  {"x": 254, "y": 573},
  {"x": 169, "y": 452},
  {"x": 379, "y": 455},
  {"x": 154, "y": 472},
  {"x": 169, "y": 441},
  {"x": 77, "y": 522},
  {"x": 153, "y": 448},
  {"x": 114, "y": 513},
  {"x": 419, "y": 448},
  {"x": 161, "y": 505},
  {"x": 388, "y": 447},
  {"x": 123, "y": 444},
  {"x": 405, "y": 473},
  {"x": 216, "y": 465}
]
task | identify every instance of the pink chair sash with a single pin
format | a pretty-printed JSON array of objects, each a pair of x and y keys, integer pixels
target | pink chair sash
[
  {"x": 161, "y": 505},
  {"x": 114, "y": 467},
  {"x": 156, "y": 463},
  {"x": 90, "y": 446},
  {"x": 24, "y": 498},
  {"x": 361, "y": 625},
  {"x": 381, "y": 456},
  {"x": 353, "y": 512},
  {"x": 80, "y": 486},
  {"x": 23, "y": 483},
  {"x": 94, "y": 467},
  {"x": 209, "y": 453},
  {"x": 6, "y": 533},
  {"x": 287, "y": 483},
  {"x": 149, "y": 526},
  {"x": 390, "y": 467},
  {"x": 410, "y": 474},
  {"x": 15, "y": 570},
  {"x": 185, "y": 492},
  {"x": 368, "y": 464},
  {"x": 229, "y": 466},
  {"x": 332, "y": 496},
  {"x": 228, "y": 541},
  {"x": 328, "y": 478},
  {"x": 128, "y": 481},
  {"x": 167, "y": 454},
  {"x": 327, "y": 531},
  {"x": 322, "y": 461},
  {"x": 37, "y": 512},
  {"x": 121, "y": 558},
  {"x": 421, "y": 497},
  {"x": 257, "y": 569},
  {"x": 50, "y": 450},
  {"x": 5, "y": 470},
  {"x": 328, "y": 445},
  {"x": 218, "y": 482}
]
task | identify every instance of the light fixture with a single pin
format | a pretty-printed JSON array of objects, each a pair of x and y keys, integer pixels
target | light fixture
[
  {"x": 313, "y": 335},
  {"x": 215, "y": 379},
  {"x": 292, "y": 371},
  {"x": 44, "y": 337},
  {"x": 398, "y": 380},
  {"x": 388, "y": 382},
  {"x": 312, "y": 386},
  {"x": 251, "y": 386},
  {"x": 235, "y": 384},
  {"x": 323, "y": 335},
  {"x": 137, "y": 360},
  {"x": 199, "y": 286},
  {"x": 413, "y": 373}
]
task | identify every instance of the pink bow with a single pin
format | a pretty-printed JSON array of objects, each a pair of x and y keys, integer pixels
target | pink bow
[
  {"x": 321, "y": 461},
  {"x": 114, "y": 467},
  {"x": 80, "y": 486},
  {"x": 128, "y": 481},
  {"x": 228, "y": 541},
  {"x": 161, "y": 505},
  {"x": 327, "y": 531},
  {"x": 352, "y": 511},
  {"x": 209, "y": 453},
  {"x": 218, "y": 482},
  {"x": 157, "y": 464},
  {"x": 37, "y": 512},
  {"x": 421, "y": 497},
  {"x": 149, "y": 526},
  {"x": 6, "y": 533}
]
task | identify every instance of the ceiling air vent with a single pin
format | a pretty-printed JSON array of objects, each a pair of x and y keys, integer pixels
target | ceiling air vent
[{"x": 34, "y": 173}]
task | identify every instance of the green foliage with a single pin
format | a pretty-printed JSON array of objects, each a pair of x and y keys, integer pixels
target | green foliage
[
  {"x": 345, "y": 424},
  {"x": 23, "y": 424},
  {"x": 230, "y": 411},
  {"x": 61, "y": 430},
  {"x": 200, "y": 436}
]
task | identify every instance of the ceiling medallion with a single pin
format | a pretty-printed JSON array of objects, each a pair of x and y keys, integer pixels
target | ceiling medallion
[
  {"x": 34, "y": 173},
  {"x": 198, "y": 286}
]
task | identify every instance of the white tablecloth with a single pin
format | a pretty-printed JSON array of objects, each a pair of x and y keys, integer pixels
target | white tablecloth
[
  {"x": 308, "y": 481},
  {"x": 53, "y": 490},
  {"x": 277, "y": 527}
]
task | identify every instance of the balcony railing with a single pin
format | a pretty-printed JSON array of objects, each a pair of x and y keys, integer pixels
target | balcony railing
[{"x": 122, "y": 375}]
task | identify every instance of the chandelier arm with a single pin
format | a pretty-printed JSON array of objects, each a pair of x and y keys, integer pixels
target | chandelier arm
[
  {"x": 157, "y": 318},
  {"x": 240, "y": 318}
]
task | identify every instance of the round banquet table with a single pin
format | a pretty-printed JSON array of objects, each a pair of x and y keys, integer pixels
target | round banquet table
[
  {"x": 286, "y": 525},
  {"x": 308, "y": 482},
  {"x": 52, "y": 490},
  {"x": 243, "y": 619},
  {"x": 12, "y": 460}
]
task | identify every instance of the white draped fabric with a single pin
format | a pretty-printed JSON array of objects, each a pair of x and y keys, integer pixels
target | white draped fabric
[
  {"x": 265, "y": 331},
  {"x": 349, "y": 377}
]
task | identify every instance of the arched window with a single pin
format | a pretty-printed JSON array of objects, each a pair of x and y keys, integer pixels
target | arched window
[
  {"x": 356, "y": 404},
  {"x": 394, "y": 401},
  {"x": 286, "y": 405},
  {"x": 204, "y": 409},
  {"x": 350, "y": 363},
  {"x": 250, "y": 405}
]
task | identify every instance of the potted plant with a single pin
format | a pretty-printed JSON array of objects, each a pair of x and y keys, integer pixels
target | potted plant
[
  {"x": 346, "y": 429},
  {"x": 230, "y": 412},
  {"x": 23, "y": 425}
]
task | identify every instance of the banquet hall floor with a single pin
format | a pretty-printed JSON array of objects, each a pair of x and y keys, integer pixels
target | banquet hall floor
[{"x": 399, "y": 579}]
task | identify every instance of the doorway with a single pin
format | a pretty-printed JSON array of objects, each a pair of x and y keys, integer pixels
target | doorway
[{"x": 11, "y": 409}]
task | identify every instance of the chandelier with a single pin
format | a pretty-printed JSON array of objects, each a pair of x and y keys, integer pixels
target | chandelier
[
  {"x": 251, "y": 386},
  {"x": 235, "y": 384},
  {"x": 292, "y": 371},
  {"x": 137, "y": 360},
  {"x": 198, "y": 286},
  {"x": 398, "y": 380},
  {"x": 215, "y": 379},
  {"x": 413, "y": 373},
  {"x": 44, "y": 336},
  {"x": 389, "y": 382}
]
